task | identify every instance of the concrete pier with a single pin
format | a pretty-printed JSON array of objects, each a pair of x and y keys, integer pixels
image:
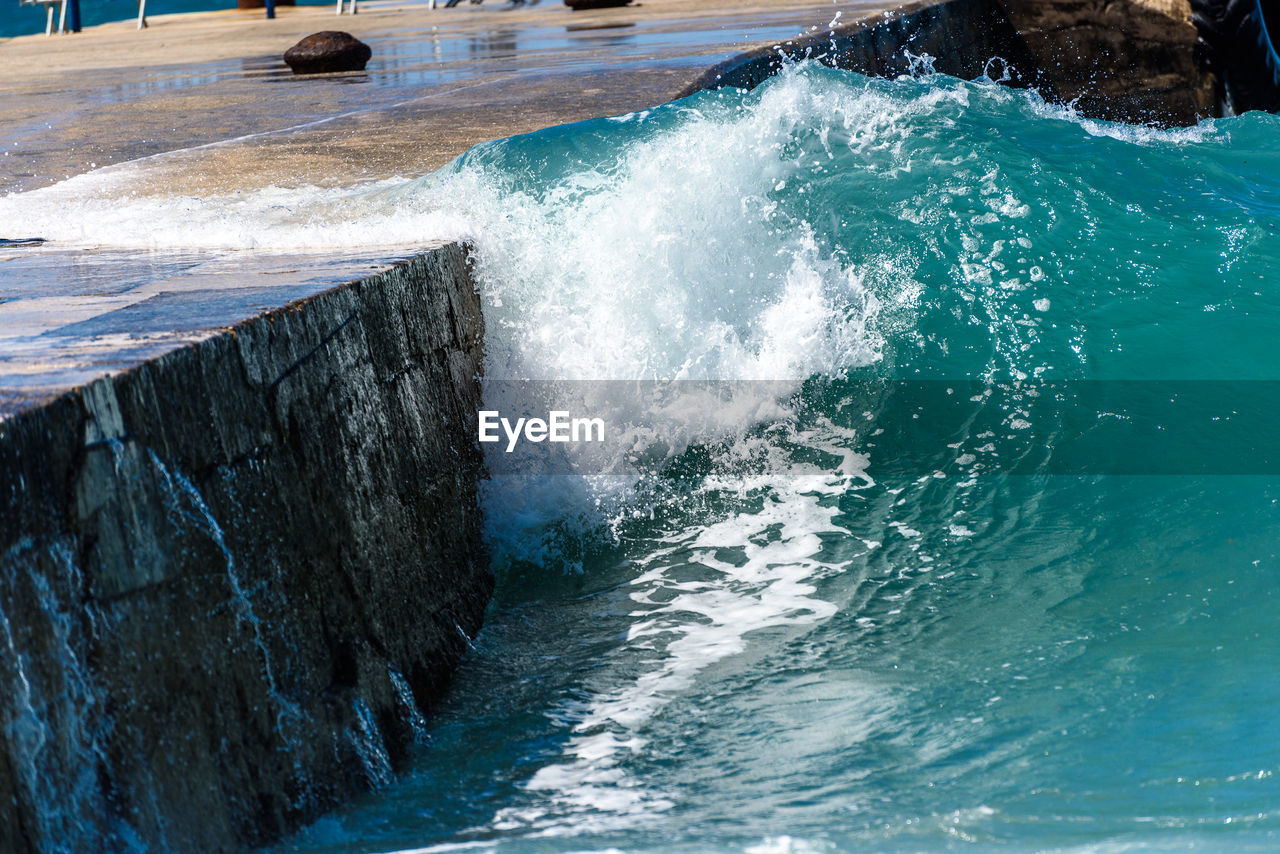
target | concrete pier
[{"x": 439, "y": 82}]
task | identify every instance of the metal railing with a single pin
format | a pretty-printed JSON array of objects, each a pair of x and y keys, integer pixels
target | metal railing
[
  {"x": 49, "y": 4},
  {"x": 69, "y": 14}
]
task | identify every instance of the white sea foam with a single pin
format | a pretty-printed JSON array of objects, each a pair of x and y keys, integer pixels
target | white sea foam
[
  {"x": 789, "y": 845},
  {"x": 759, "y": 570},
  {"x": 118, "y": 207},
  {"x": 1134, "y": 134},
  {"x": 671, "y": 261}
]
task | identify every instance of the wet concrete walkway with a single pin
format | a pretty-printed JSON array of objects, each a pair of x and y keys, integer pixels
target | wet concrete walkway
[
  {"x": 207, "y": 99},
  {"x": 439, "y": 82}
]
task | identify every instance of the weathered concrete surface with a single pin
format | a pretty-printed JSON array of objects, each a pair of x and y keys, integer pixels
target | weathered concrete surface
[
  {"x": 233, "y": 577},
  {"x": 439, "y": 82},
  {"x": 207, "y": 102},
  {"x": 70, "y": 315}
]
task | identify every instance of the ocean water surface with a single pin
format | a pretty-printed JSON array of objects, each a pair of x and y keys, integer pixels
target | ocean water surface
[{"x": 897, "y": 544}]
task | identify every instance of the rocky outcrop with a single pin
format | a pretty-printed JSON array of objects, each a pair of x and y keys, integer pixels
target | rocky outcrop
[
  {"x": 233, "y": 578},
  {"x": 1126, "y": 61},
  {"x": 1179, "y": 10},
  {"x": 327, "y": 52},
  {"x": 1114, "y": 59}
]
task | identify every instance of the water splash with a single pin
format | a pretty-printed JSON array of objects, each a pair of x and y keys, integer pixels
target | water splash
[
  {"x": 409, "y": 707},
  {"x": 55, "y": 727},
  {"x": 366, "y": 738},
  {"x": 189, "y": 506},
  {"x": 776, "y": 629}
]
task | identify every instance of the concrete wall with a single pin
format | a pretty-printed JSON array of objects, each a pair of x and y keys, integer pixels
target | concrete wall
[{"x": 234, "y": 578}]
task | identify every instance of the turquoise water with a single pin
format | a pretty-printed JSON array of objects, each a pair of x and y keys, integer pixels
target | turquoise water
[
  {"x": 25, "y": 20},
  {"x": 897, "y": 544},
  {"x": 855, "y": 621}
]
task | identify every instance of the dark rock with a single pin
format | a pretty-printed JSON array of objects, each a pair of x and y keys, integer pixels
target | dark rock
[
  {"x": 328, "y": 51},
  {"x": 595, "y": 4},
  {"x": 1127, "y": 62},
  {"x": 1238, "y": 41}
]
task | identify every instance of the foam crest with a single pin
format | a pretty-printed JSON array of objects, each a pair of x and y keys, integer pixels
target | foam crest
[
  {"x": 118, "y": 207},
  {"x": 757, "y": 568}
]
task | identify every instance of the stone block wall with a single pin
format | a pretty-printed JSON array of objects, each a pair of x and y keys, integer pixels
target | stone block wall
[{"x": 234, "y": 578}]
